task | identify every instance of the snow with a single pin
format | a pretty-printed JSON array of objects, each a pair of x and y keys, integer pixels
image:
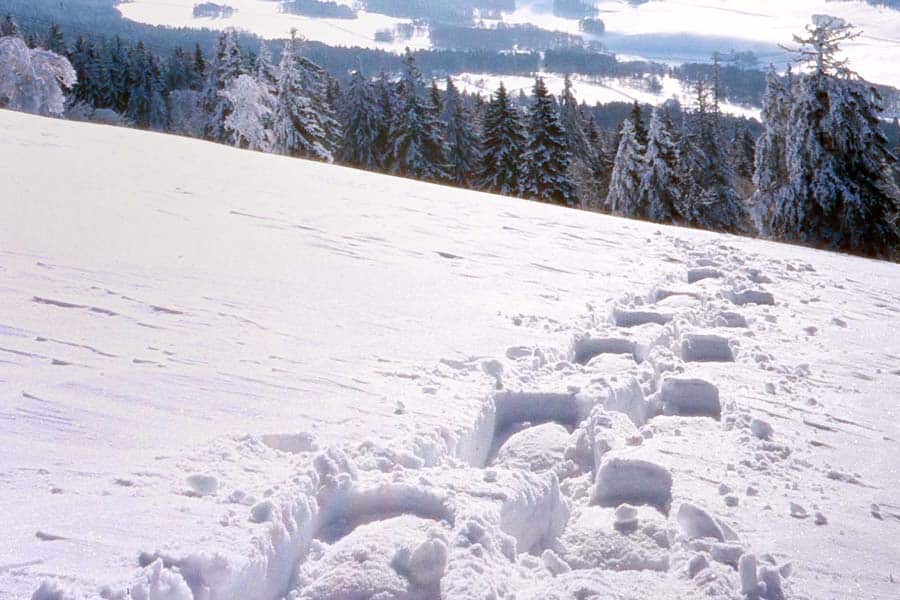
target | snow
[
  {"x": 231, "y": 375},
  {"x": 593, "y": 90},
  {"x": 671, "y": 31},
  {"x": 264, "y": 18}
]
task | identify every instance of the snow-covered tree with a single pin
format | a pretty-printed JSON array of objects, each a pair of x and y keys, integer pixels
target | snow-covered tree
[
  {"x": 624, "y": 196},
  {"x": 8, "y": 26},
  {"x": 707, "y": 196},
  {"x": 546, "y": 156},
  {"x": 362, "y": 124},
  {"x": 636, "y": 116},
  {"x": 56, "y": 41},
  {"x": 386, "y": 96},
  {"x": 770, "y": 175},
  {"x": 226, "y": 66},
  {"x": 418, "y": 146},
  {"x": 462, "y": 143},
  {"x": 840, "y": 191},
  {"x": 302, "y": 122},
  {"x": 503, "y": 143},
  {"x": 33, "y": 80},
  {"x": 250, "y": 115},
  {"x": 146, "y": 102},
  {"x": 266, "y": 73},
  {"x": 573, "y": 124},
  {"x": 659, "y": 181},
  {"x": 742, "y": 151}
]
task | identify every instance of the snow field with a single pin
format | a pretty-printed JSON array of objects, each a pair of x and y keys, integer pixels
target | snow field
[{"x": 491, "y": 461}]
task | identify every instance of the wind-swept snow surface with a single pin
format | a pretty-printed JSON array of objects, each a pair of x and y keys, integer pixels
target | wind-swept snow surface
[{"x": 229, "y": 375}]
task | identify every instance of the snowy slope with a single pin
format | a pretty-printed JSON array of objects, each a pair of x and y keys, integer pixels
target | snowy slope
[{"x": 218, "y": 365}]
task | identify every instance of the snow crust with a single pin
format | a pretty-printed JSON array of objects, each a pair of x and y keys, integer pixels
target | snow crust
[{"x": 231, "y": 375}]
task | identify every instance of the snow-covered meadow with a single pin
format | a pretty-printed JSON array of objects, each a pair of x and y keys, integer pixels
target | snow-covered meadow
[
  {"x": 230, "y": 375},
  {"x": 670, "y": 31}
]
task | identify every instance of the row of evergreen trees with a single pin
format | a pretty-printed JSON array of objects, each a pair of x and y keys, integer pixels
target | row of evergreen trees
[{"x": 820, "y": 174}]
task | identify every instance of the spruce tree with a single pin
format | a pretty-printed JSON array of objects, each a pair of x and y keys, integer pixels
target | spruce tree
[
  {"x": 462, "y": 144},
  {"x": 502, "y": 146},
  {"x": 386, "y": 98},
  {"x": 56, "y": 41},
  {"x": 637, "y": 119},
  {"x": 840, "y": 192},
  {"x": 362, "y": 123},
  {"x": 573, "y": 123},
  {"x": 418, "y": 146},
  {"x": 770, "y": 175},
  {"x": 742, "y": 151},
  {"x": 9, "y": 27},
  {"x": 226, "y": 66},
  {"x": 624, "y": 196},
  {"x": 146, "y": 100},
  {"x": 200, "y": 68},
  {"x": 708, "y": 197},
  {"x": 659, "y": 182},
  {"x": 546, "y": 156},
  {"x": 298, "y": 127}
]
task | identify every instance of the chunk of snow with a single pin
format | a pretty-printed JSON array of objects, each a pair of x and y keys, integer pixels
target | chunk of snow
[
  {"x": 698, "y": 347},
  {"x": 635, "y": 318},
  {"x": 202, "y": 485},
  {"x": 159, "y": 583},
  {"x": 537, "y": 449},
  {"x": 51, "y": 589},
  {"x": 587, "y": 348},
  {"x": 747, "y": 574},
  {"x": 634, "y": 481},
  {"x": 761, "y": 429},
  {"x": 262, "y": 511},
  {"x": 699, "y": 274},
  {"x": 697, "y": 523},
  {"x": 744, "y": 297},
  {"x": 690, "y": 398},
  {"x": 292, "y": 443}
]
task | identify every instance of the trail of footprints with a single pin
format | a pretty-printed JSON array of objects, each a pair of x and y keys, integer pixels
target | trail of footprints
[{"x": 558, "y": 492}]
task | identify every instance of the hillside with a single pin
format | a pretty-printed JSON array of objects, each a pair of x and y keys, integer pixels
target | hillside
[{"x": 218, "y": 365}]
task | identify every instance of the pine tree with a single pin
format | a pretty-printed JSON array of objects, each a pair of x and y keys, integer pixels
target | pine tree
[
  {"x": 362, "y": 123},
  {"x": 9, "y": 27},
  {"x": 742, "y": 150},
  {"x": 573, "y": 123},
  {"x": 227, "y": 65},
  {"x": 546, "y": 156},
  {"x": 502, "y": 146},
  {"x": 637, "y": 119},
  {"x": 266, "y": 73},
  {"x": 249, "y": 121},
  {"x": 297, "y": 125},
  {"x": 33, "y": 79},
  {"x": 86, "y": 64},
  {"x": 708, "y": 198},
  {"x": 387, "y": 106},
  {"x": 56, "y": 41},
  {"x": 462, "y": 144},
  {"x": 199, "y": 70},
  {"x": 624, "y": 196},
  {"x": 840, "y": 191},
  {"x": 659, "y": 182},
  {"x": 770, "y": 174},
  {"x": 146, "y": 101},
  {"x": 418, "y": 147}
]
